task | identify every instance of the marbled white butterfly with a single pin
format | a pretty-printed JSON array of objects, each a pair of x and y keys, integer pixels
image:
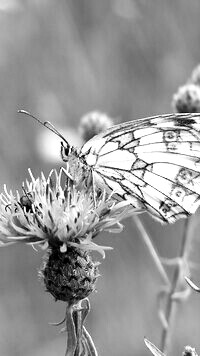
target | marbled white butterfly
[{"x": 153, "y": 163}]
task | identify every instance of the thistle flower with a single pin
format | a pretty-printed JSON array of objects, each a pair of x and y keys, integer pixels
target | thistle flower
[{"x": 55, "y": 215}]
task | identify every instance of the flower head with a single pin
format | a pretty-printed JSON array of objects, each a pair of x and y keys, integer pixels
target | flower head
[
  {"x": 58, "y": 215},
  {"x": 52, "y": 212}
]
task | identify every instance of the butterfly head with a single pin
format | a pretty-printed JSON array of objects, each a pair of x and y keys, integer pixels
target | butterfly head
[{"x": 66, "y": 151}]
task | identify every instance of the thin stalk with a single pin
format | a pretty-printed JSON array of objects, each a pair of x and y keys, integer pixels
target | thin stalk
[
  {"x": 79, "y": 341},
  {"x": 147, "y": 240},
  {"x": 171, "y": 303},
  {"x": 71, "y": 332}
]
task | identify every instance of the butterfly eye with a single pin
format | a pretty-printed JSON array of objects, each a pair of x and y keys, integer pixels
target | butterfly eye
[{"x": 66, "y": 151}]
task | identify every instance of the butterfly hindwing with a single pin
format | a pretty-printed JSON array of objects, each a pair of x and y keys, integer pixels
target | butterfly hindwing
[{"x": 154, "y": 163}]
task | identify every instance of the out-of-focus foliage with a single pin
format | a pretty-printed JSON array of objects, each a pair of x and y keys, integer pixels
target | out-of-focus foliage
[{"x": 59, "y": 60}]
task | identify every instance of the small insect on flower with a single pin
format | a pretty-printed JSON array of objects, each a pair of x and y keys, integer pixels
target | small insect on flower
[
  {"x": 153, "y": 164},
  {"x": 26, "y": 201}
]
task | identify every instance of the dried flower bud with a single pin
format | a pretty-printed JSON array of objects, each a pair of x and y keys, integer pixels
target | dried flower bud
[
  {"x": 93, "y": 123},
  {"x": 195, "y": 76},
  {"x": 189, "y": 351},
  {"x": 70, "y": 276},
  {"x": 187, "y": 99}
]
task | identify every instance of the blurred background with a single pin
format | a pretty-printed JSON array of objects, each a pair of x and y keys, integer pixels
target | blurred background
[{"x": 59, "y": 60}]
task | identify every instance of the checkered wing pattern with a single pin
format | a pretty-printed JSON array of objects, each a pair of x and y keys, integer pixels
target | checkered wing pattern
[{"x": 153, "y": 163}]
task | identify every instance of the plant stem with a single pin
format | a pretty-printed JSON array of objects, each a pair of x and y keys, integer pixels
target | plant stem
[
  {"x": 152, "y": 250},
  {"x": 171, "y": 303}
]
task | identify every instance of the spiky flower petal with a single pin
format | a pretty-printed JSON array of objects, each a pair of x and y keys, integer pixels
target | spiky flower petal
[{"x": 53, "y": 212}]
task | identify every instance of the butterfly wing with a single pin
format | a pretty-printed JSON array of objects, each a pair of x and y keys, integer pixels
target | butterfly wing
[{"x": 154, "y": 163}]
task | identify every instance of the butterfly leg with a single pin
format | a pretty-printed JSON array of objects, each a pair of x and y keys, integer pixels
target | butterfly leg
[
  {"x": 93, "y": 190},
  {"x": 66, "y": 172},
  {"x": 69, "y": 183}
]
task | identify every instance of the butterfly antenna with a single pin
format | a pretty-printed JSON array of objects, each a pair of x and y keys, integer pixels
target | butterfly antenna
[{"x": 46, "y": 124}]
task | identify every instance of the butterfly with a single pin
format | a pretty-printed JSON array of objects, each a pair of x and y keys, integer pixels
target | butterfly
[{"x": 153, "y": 163}]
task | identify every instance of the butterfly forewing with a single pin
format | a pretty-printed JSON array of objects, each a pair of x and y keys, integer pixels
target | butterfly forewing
[{"x": 154, "y": 163}]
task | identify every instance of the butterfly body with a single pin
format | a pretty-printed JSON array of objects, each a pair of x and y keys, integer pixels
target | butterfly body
[{"x": 153, "y": 163}]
